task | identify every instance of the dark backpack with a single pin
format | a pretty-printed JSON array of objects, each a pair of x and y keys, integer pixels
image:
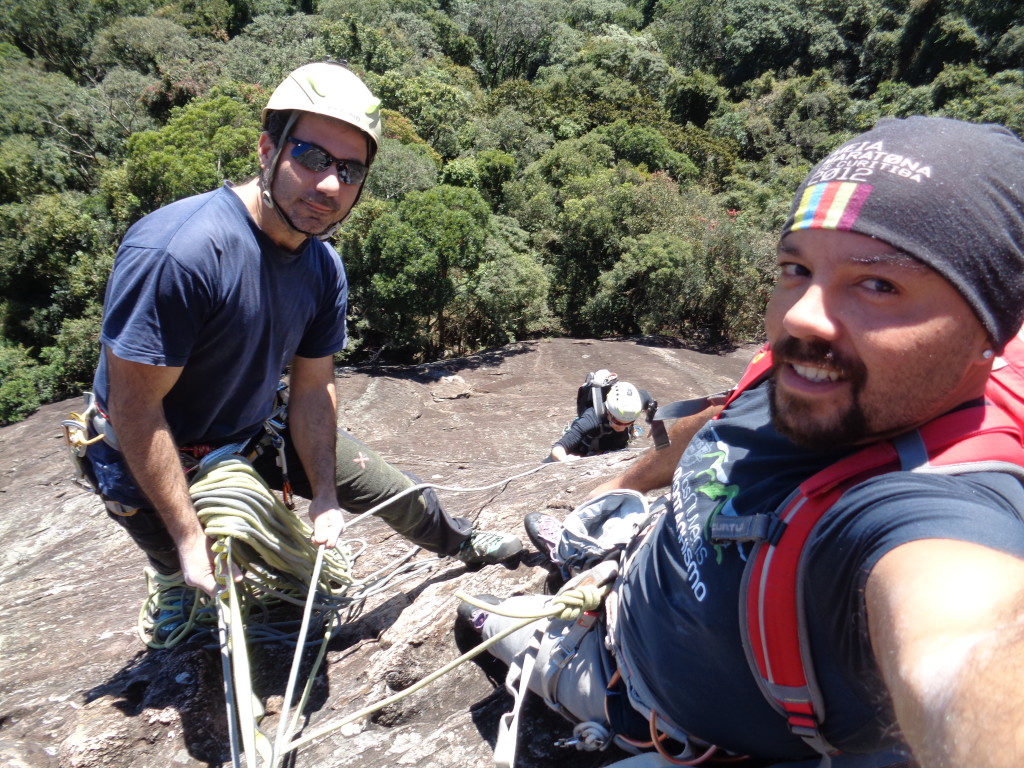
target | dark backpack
[{"x": 594, "y": 390}]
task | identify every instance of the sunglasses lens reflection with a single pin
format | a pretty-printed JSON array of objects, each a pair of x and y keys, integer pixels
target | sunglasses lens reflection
[{"x": 317, "y": 159}]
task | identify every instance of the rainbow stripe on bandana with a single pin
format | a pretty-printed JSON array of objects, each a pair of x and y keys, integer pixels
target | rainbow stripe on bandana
[{"x": 831, "y": 205}]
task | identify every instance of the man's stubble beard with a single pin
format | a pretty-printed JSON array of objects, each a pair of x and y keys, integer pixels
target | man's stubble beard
[{"x": 798, "y": 420}]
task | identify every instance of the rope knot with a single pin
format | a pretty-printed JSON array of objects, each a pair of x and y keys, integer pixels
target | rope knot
[{"x": 578, "y": 600}]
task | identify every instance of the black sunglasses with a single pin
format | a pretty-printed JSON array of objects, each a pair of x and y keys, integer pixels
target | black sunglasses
[{"x": 318, "y": 159}]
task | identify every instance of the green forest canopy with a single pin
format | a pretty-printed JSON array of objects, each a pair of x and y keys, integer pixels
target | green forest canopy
[{"x": 581, "y": 167}]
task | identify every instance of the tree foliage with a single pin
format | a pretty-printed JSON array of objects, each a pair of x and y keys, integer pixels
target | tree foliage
[
  {"x": 549, "y": 166},
  {"x": 201, "y": 145}
]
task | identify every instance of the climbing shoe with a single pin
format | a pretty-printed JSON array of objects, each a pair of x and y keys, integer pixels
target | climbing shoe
[
  {"x": 467, "y": 633},
  {"x": 173, "y": 610},
  {"x": 486, "y": 548},
  {"x": 469, "y": 617},
  {"x": 543, "y": 531}
]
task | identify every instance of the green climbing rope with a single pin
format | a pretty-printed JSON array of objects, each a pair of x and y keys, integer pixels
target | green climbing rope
[{"x": 271, "y": 545}]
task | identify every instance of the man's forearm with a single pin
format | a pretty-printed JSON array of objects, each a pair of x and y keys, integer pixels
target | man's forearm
[
  {"x": 654, "y": 468},
  {"x": 136, "y": 411},
  {"x": 152, "y": 456},
  {"x": 312, "y": 414},
  {"x": 313, "y": 432},
  {"x": 312, "y": 418},
  {"x": 982, "y": 724},
  {"x": 946, "y": 621}
]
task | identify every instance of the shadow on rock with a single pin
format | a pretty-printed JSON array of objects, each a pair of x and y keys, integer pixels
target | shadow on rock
[
  {"x": 188, "y": 679},
  {"x": 539, "y": 730},
  {"x": 424, "y": 373}
]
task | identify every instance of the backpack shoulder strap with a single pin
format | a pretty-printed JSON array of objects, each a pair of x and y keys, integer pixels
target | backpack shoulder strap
[
  {"x": 772, "y": 613},
  {"x": 757, "y": 370},
  {"x": 1005, "y": 387},
  {"x": 771, "y": 598}
]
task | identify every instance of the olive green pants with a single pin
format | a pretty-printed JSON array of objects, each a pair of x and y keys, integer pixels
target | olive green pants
[{"x": 364, "y": 480}]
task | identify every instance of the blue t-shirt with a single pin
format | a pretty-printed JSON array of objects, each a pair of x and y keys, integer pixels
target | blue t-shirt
[
  {"x": 678, "y": 630},
  {"x": 197, "y": 284}
]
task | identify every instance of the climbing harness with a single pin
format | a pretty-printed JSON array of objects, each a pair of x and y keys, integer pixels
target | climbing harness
[
  {"x": 274, "y": 428},
  {"x": 578, "y": 601},
  {"x": 77, "y": 440}
]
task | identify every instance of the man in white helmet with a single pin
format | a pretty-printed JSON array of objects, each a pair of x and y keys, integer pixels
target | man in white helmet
[
  {"x": 211, "y": 298},
  {"x": 611, "y": 430}
]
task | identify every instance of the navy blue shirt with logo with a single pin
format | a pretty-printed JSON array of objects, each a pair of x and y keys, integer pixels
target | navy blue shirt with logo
[
  {"x": 197, "y": 285},
  {"x": 678, "y": 627}
]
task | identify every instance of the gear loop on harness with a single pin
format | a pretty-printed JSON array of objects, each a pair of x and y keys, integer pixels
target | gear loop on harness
[
  {"x": 588, "y": 736},
  {"x": 657, "y": 738}
]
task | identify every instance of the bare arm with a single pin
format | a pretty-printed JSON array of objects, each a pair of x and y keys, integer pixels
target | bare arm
[
  {"x": 558, "y": 453},
  {"x": 946, "y": 621},
  {"x": 136, "y": 410},
  {"x": 654, "y": 468},
  {"x": 312, "y": 415}
]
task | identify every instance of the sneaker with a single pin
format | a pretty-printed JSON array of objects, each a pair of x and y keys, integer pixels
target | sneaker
[
  {"x": 467, "y": 631},
  {"x": 544, "y": 532},
  {"x": 472, "y": 618},
  {"x": 173, "y": 610},
  {"x": 486, "y": 548}
]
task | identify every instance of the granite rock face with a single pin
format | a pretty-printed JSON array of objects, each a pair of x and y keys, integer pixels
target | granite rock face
[{"x": 79, "y": 690}]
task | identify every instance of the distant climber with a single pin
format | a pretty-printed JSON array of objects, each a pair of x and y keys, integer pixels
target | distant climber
[{"x": 607, "y": 425}]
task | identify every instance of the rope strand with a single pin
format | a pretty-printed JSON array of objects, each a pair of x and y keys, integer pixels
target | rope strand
[{"x": 272, "y": 547}]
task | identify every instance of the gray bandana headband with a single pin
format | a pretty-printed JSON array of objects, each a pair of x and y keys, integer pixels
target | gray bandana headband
[{"x": 947, "y": 192}]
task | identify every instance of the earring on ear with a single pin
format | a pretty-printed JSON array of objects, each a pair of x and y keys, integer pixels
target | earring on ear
[{"x": 988, "y": 354}]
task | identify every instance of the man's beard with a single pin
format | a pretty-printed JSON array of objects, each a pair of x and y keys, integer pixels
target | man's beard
[
  {"x": 797, "y": 420},
  {"x": 268, "y": 196}
]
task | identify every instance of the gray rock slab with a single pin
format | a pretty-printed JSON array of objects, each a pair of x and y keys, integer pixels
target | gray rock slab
[{"x": 79, "y": 690}]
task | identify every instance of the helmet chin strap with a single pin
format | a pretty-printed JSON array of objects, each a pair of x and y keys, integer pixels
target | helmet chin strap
[
  {"x": 266, "y": 182},
  {"x": 267, "y": 196},
  {"x": 268, "y": 199},
  {"x": 266, "y": 177}
]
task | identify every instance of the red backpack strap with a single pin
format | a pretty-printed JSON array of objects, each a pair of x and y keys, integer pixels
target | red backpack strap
[
  {"x": 1005, "y": 387},
  {"x": 771, "y": 602},
  {"x": 757, "y": 370},
  {"x": 772, "y": 610}
]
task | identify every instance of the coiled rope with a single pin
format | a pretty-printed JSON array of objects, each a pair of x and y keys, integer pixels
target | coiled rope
[{"x": 253, "y": 530}]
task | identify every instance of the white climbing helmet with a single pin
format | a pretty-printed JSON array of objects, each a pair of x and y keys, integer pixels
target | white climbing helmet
[
  {"x": 326, "y": 88},
  {"x": 623, "y": 402},
  {"x": 331, "y": 89}
]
